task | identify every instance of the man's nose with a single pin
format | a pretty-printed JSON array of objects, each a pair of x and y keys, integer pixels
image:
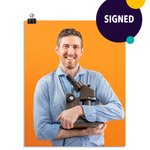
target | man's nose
[{"x": 70, "y": 50}]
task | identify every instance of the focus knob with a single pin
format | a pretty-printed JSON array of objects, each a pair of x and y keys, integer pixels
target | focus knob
[{"x": 71, "y": 98}]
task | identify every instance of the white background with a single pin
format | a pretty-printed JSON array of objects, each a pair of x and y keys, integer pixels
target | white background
[{"x": 13, "y": 13}]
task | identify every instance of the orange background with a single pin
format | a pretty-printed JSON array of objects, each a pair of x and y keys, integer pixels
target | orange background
[{"x": 100, "y": 55}]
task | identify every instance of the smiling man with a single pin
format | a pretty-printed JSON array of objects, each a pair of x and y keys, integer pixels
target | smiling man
[
  {"x": 69, "y": 50},
  {"x": 50, "y": 97}
]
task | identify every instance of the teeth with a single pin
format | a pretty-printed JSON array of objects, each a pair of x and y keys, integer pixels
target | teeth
[{"x": 69, "y": 58}]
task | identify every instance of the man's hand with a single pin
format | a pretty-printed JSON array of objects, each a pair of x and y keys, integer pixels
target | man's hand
[
  {"x": 69, "y": 116},
  {"x": 97, "y": 130}
]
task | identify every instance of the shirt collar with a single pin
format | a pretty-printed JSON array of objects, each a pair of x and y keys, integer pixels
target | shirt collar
[{"x": 59, "y": 71}]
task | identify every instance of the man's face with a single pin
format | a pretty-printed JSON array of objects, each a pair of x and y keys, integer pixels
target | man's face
[{"x": 69, "y": 51}]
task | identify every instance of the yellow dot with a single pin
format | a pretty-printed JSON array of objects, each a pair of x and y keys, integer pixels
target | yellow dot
[{"x": 135, "y": 4}]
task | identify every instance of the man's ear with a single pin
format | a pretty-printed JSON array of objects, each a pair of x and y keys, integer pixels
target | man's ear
[
  {"x": 57, "y": 49},
  {"x": 82, "y": 51}
]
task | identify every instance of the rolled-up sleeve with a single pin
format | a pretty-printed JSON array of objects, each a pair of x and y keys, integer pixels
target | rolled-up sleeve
[
  {"x": 43, "y": 126},
  {"x": 111, "y": 108}
]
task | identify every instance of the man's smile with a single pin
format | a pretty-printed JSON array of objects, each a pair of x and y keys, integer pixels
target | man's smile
[{"x": 69, "y": 57}]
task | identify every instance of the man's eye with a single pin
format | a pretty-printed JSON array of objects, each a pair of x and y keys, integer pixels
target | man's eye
[
  {"x": 76, "y": 47},
  {"x": 65, "y": 46}
]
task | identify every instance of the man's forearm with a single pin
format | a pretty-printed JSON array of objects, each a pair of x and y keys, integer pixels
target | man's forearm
[{"x": 64, "y": 134}]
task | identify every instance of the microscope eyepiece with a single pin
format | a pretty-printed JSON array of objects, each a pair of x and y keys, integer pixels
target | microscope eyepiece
[
  {"x": 76, "y": 85},
  {"x": 70, "y": 79}
]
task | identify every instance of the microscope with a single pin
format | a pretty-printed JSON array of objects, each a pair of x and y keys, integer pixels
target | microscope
[{"x": 87, "y": 96}]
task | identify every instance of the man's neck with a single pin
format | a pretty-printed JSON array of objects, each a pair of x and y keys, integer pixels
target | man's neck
[{"x": 72, "y": 72}]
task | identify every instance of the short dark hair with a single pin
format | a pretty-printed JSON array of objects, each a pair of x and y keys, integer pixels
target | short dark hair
[{"x": 68, "y": 32}]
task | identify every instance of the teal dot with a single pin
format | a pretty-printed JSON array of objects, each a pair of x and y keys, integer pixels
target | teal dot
[{"x": 130, "y": 39}]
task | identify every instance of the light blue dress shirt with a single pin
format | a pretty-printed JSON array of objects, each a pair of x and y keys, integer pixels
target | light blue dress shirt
[{"x": 50, "y": 101}]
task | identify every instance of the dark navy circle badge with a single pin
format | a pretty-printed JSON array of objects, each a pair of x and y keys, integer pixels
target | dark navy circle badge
[{"x": 118, "y": 22}]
